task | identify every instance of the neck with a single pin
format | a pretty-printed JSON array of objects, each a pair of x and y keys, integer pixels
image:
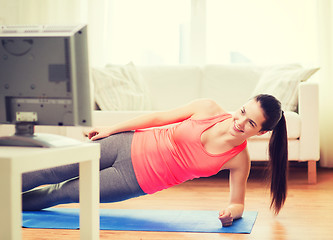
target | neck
[
  {"x": 234, "y": 141},
  {"x": 231, "y": 139}
]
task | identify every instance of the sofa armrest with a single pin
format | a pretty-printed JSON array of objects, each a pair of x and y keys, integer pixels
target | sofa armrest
[{"x": 308, "y": 107}]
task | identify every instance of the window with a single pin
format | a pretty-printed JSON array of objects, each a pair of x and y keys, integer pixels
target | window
[
  {"x": 205, "y": 31},
  {"x": 183, "y": 31},
  {"x": 261, "y": 31},
  {"x": 148, "y": 31}
]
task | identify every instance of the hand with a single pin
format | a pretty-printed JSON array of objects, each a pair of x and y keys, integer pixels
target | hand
[
  {"x": 226, "y": 218},
  {"x": 98, "y": 133}
]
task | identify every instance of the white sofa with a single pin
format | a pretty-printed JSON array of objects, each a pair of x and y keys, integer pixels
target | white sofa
[{"x": 230, "y": 86}]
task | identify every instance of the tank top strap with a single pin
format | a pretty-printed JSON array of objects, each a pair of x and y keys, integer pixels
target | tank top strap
[{"x": 213, "y": 119}]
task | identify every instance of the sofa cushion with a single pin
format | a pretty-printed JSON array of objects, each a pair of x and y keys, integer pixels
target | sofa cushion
[
  {"x": 282, "y": 81},
  {"x": 230, "y": 85},
  {"x": 171, "y": 86},
  {"x": 120, "y": 88}
]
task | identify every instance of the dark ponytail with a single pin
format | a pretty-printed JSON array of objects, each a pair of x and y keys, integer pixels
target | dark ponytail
[
  {"x": 278, "y": 148},
  {"x": 278, "y": 162}
]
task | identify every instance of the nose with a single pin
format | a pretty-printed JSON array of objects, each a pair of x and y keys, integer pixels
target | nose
[{"x": 241, "y": 121}]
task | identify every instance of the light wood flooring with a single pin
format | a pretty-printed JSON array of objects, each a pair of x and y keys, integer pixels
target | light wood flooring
[{"x": 308, "y": 212}]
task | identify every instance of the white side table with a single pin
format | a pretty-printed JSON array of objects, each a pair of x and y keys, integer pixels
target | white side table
[{"x": 16, "y": 160}]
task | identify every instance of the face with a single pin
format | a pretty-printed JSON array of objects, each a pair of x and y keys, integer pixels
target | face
[{"x": 248, "y": 120}]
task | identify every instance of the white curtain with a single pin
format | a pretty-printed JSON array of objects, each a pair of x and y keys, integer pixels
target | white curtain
[{"x": 325, "y": 37}]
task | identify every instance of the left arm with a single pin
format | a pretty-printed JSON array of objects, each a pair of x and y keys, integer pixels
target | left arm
[
  {"x": 199, "y": 107},
  {"x": 237, "y": 181}
]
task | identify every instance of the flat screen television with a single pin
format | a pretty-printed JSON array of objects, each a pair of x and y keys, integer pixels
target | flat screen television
[{"x": 44, "y": 80}]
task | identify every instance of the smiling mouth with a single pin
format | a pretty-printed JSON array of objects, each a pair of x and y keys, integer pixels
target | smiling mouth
[{"x": 237, "y": 128}]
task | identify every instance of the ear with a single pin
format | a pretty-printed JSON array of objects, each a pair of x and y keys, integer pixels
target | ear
[{"x": 261, "y": 133}]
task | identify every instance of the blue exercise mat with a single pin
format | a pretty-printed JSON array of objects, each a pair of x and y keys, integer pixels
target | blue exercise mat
[{"x": 141, "y": 220}]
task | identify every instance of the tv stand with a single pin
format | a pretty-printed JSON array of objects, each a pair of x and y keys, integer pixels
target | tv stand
[{"x": 25, "y": 136}]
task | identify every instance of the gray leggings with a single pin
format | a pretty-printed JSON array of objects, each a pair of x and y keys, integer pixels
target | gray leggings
[{"x": 117, "y": 178}]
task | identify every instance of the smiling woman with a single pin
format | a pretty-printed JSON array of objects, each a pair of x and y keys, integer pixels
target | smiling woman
[{"x": 147, "y": 154}]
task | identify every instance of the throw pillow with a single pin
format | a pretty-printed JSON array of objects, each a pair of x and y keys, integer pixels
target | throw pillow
[
  {"x": 120, "y": 88},
  {"x": 282, "y": 81}
]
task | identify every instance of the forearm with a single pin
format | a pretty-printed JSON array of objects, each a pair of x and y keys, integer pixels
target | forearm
[
  {"x": 162, "y": 118},
  {"x": 155, "y": 119},
  {"x": 141, "y": 122}
]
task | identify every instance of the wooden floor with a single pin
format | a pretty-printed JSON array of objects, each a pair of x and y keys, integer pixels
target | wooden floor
[{"x": 308, "y": 212}]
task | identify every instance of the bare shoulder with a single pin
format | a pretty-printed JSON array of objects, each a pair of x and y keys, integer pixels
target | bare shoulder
[
  {"x": 240, "y": 163},
  {"x": 205, "y": 107}
]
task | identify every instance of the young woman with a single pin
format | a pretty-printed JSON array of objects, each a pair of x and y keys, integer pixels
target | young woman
[{"x": 156, "y": 151}]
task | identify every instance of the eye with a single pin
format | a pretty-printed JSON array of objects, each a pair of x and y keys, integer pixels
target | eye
[
  {"x": 242, "y": 110},
  {"x": 253, "y": 124}
]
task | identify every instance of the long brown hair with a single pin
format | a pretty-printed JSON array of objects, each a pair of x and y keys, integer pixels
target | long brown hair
[{"x": 278, "y": 148}]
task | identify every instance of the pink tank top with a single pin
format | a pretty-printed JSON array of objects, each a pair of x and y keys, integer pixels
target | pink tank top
[{"x": 164, "y": 157}]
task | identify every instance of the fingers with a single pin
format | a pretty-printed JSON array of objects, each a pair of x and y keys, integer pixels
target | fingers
[
  {"x": 227, "y": 224},
  {"x": 96, "y": 135},
  {"x": 226, "y": 218},
  {"x": 93, "y": 134}
]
